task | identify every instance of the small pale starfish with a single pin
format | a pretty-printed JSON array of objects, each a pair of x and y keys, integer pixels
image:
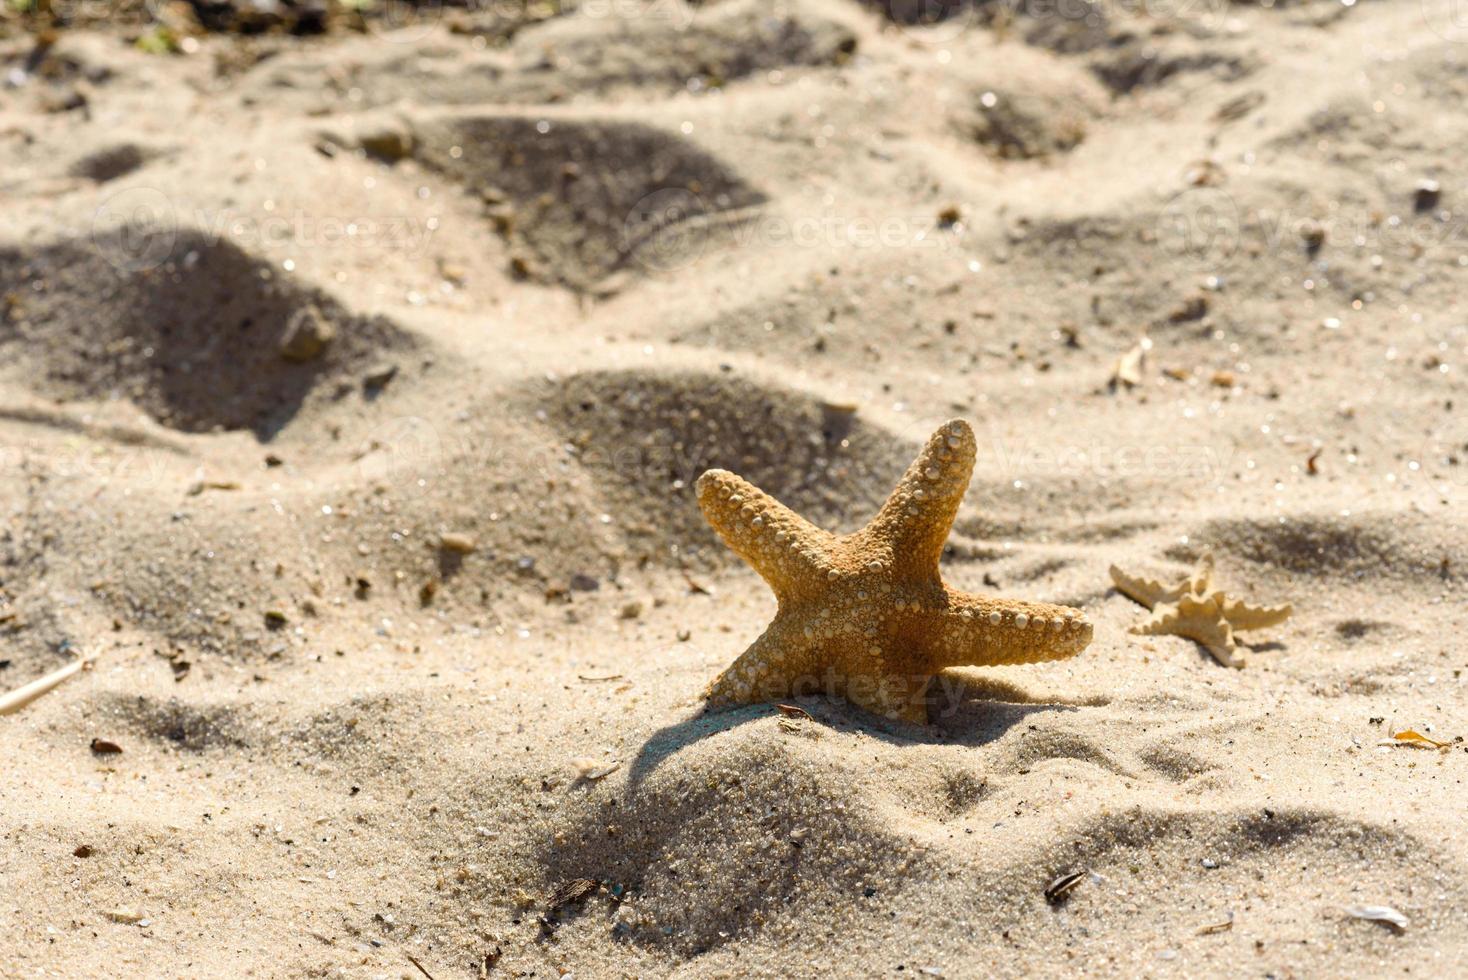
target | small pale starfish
[
  {"x": 1196, "y": 610},
  {"x": 866, "y": 616}
]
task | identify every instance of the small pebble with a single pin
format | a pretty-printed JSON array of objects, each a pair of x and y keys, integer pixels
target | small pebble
[
  {"x": 306, "y": 335},
  {"x": 459, "y": 544}
]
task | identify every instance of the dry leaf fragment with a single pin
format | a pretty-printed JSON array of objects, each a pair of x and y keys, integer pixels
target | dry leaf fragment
[
  {"x": 1411, "y": 737},
  {"x": 793, "y": 711},
  {"x": 694, "y": 586},
  {"x": 1128, "y": 368},
  {"x": 1379, "y": 913},
  {"x": 591, "y": 770},
  {"x": 1239, "y": 106},
  {"x": 199, "y": 486},
  {"x": 1059, "y": 889},
  {"x": 1217, "y": 927},
  {"x": 575, "y": 890}
]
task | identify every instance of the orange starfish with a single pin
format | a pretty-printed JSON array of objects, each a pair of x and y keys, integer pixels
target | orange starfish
[{"x": 866, "y": 615}]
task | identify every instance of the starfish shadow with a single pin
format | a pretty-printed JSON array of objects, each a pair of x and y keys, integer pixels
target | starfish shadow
[
  {"x": 670, "y": 739},
  {"x": 976, "y": 710},
  {"x": 967, "y": 710}
]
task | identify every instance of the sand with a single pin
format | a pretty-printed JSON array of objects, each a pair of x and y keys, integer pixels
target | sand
[{"x": 353, "y": 387}]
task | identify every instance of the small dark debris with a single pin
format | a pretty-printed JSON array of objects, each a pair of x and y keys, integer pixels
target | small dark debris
[
  {"x": 1313, "y": 236},
  {"x": 82, "y": 851},
  {"x": 378, "y": 376},
  {"x": 275, "y": 619},
  {"x": 1192, "y": 308},
  {"x": 1427, "y": 196},
  {"x": 101, "y": 746}
]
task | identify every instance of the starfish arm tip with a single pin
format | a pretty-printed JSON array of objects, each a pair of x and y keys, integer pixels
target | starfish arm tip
[{"x": 914, "y": 522}]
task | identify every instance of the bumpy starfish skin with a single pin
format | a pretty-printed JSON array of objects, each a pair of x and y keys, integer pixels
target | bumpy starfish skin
[
  {"x": 1196, "y": 610},
  {"x": 867, "y": 616}
]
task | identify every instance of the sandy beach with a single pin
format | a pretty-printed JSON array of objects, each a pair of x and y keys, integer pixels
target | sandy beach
[{"x": 358, "y": 364}]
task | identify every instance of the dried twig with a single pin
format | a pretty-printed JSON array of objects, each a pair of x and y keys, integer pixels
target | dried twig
[
  {"x": 694, "y": 586},
  {"x": 25, "y": 694},
  {"x": 412, "y": 959}
]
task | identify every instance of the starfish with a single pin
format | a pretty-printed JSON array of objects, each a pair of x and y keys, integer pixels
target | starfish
[
  {"x": 1196, "y": 610},
  {"x": 867, "y": 616}
]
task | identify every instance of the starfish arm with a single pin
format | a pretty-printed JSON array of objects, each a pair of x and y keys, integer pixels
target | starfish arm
[
  {"x": 914, "y": 522},
  {"x": 1218, "y": 637},
  {"x": 1162, "y": 620},
  {"x": 1148, "y": 591},
  {"x": 980, "y": 631},
  {"x": 903, "y": 698},
  {"x": 1201, "y": 580},
  {"x": 1202, "y": 622},
  {"x": 776, "y": 663},
  {"x": 785, "y": 548},
  {"x": 1242, "y": 616}
]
